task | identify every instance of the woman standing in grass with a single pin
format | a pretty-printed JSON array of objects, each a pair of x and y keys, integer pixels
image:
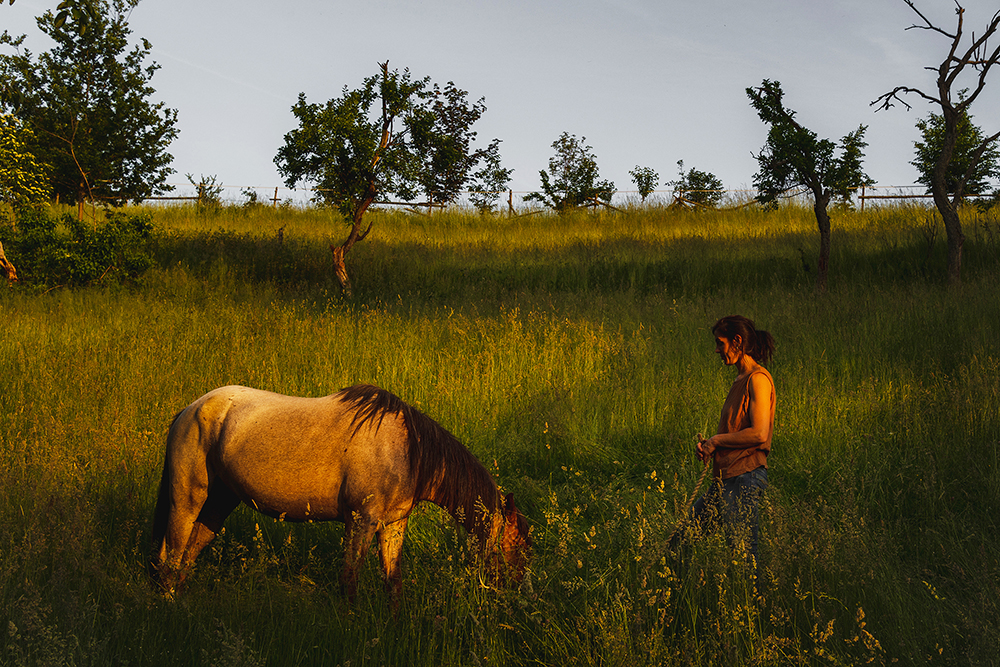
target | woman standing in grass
[{"x": 740, "y": 447}]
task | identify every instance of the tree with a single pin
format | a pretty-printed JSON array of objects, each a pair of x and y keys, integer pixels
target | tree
[
  {"x": 87, "y": 101},
  {"x": 700, "y": 188},
  {"x": 443, "y": 143},
  {"x": 976, "y": 60},
  {"x": 80, "y": 10},
  {"x": 209, "y": 190},
  {"x": 970, "y": 137},
  {"x": 489, "y": 182},
  {"x": 23, "y": 182},
  {"x": 393, "y": 136},
  {"x": 645, "y": 180},
  {"x": 574, "y": 176},
  {"x": 794, "y": 157}
]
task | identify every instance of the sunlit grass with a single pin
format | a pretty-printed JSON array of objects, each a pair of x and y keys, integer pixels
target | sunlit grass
[{"x": 572, "y": 356}]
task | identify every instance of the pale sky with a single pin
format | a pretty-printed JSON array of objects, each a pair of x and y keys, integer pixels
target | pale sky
[{"x": 646, "y": 82}]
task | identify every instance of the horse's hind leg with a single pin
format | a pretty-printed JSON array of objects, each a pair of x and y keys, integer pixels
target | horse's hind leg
[
  {"x": 358, "y": 537},
  {"x": 390, "y": 542}
]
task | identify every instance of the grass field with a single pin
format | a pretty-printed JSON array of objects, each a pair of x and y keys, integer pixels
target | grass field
[{"x": 573, "y": 356}]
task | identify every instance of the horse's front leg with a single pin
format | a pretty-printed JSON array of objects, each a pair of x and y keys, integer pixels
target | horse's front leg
[{"x": 390, "y": 542}]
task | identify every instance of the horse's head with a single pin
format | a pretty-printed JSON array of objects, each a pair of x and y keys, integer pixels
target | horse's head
[{"x": 515, "y": 545}]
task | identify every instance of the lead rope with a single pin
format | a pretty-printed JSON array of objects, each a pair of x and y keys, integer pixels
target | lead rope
[{"x": 690, "y": 501}]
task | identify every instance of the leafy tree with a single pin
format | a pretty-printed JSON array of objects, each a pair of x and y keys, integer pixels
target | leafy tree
[
  {"x": 489, "y": 182},
  {"x": 393, "y": 136},
  {"x": 87, "y": 101},
  {"x": 23, "y": 181},
  {"x": 949, "y": 185},
  {"x": 794, "y": 157},
  {"x": 645, "y": 180},
  {"x": 700, "y": 188},
  {"x": 975, "y": 173},
  {"x": 443, "y": 143},
  {"x": 208, "y": 189},
  {"x": 81, "y": 11},
  {"x": 574, "y": 176}
]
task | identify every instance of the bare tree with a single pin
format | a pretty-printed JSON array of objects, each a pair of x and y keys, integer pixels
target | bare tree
[
  {"x": 976, "y": 59},
  {"x": 6, "y": 268}
]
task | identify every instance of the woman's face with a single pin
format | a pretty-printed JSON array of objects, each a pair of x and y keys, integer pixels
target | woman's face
[{"x": 728, "y": 350}]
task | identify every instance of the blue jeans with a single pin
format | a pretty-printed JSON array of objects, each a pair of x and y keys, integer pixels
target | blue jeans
[{"x": 735, "y": 501}]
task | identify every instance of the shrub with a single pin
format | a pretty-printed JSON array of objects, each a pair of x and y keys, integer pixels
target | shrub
[{"x": 65, "y": 251}]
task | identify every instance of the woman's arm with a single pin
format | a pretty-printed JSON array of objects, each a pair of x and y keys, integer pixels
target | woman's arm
[{"x": 760, "y": 422}]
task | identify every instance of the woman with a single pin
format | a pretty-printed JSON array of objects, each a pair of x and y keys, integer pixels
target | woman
[{"x": 740, "y": 447}]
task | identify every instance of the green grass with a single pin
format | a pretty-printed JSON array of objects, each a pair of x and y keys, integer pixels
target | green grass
[{"x": 572, "y": 356}]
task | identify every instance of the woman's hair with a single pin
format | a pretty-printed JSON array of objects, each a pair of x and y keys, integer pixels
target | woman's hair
[{"x": 758, "y": 343}]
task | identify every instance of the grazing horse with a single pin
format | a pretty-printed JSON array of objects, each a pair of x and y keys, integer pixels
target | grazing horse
[{"x": 361, "y": 456}]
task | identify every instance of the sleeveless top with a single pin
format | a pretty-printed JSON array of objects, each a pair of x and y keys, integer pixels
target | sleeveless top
[{"x": 732, "y": 461}]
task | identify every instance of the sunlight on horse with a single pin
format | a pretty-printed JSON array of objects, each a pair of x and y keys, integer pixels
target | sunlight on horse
[{"x": 362, "y": 456}]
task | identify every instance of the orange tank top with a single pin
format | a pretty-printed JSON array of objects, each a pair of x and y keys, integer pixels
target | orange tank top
[{"x": 731, "y": 461}]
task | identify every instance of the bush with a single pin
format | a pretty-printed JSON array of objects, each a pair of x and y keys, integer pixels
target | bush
[{"x": 65, "y": 251}]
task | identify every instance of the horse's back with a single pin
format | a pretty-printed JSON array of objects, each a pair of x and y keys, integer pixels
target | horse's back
[{"x": 301, "y": 458}]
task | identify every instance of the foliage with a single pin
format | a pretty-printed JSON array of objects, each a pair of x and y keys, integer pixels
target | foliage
[
  {"x": 66, "y": 251},
  {"x": 645, "y": 179},
  {"x": 420, "y": 140},
  {"x": 970, "y": 168},
  {"x": 351, "y": 155},
  {"x": 252, "y": 198},
  {"x": 208, "y": 190},
  {"x": 698, "y": 187},
  {"x": 974, "y": 59},
  {"x": 572, "y": 179},
  {"x": 88, "y": 102},
  {"x": 793, "y": 156},
  {"x": 82, "y": 12},
  {"x": 489, "y": 182},
  {"x": 23, "y": 181},
  {"x": 392, "y": 136},
  {"x": 443, "y": 143}
]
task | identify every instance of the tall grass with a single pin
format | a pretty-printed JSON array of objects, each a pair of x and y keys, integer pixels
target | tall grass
[{"x": 572, "y": 356}]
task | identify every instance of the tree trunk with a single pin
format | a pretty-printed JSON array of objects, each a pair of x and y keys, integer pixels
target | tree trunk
[
  {"x": 946, "y": 206},
  {"x": 339, "y": 252},
  {"x": 340, "y": 269},
  {"x": 6, "y": 267},
  {"x": 822, "y": 198},
  {"x": 953, "y": 228}
]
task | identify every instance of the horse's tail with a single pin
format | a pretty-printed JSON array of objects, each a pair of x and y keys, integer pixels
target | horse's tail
[{"x": 162, "y": 512}]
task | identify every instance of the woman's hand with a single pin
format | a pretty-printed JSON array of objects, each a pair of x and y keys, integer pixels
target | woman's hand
[{"x": 705, "y": 448}]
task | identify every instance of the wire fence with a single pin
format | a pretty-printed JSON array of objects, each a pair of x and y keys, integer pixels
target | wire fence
[{"x": 513, "y": 201}]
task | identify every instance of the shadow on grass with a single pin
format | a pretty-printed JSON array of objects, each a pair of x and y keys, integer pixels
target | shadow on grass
[{"x": 381, "y": 270}]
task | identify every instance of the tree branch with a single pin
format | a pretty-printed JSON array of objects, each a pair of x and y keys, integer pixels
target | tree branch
[{"x": 931, "y": 26}]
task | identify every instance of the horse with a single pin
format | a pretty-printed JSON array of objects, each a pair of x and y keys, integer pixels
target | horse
[{"x": 361, "y": 456}]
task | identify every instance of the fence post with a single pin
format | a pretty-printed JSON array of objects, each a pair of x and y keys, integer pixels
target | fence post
[
  {"x": 510, "y": 201},
  {"x": 862, "y": 198},
  {"x": 275, "y": 200}
]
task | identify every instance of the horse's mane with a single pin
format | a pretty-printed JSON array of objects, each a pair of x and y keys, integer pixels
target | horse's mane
[{"x": 444, "y": 471}]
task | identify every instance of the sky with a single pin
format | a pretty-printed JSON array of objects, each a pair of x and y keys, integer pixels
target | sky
[{"x": 646, "y": 82}]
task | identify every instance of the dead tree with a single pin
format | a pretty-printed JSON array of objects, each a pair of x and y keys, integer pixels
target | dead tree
[
  {"x": 6, "y": 267},
  {"x": 979, "y": 58}
]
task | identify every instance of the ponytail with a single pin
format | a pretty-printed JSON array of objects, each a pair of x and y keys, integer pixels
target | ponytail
[{"x": 757, "y": 343}]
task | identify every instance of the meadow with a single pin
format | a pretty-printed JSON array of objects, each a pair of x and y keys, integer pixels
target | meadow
[{"x": 572, "y": 355}]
